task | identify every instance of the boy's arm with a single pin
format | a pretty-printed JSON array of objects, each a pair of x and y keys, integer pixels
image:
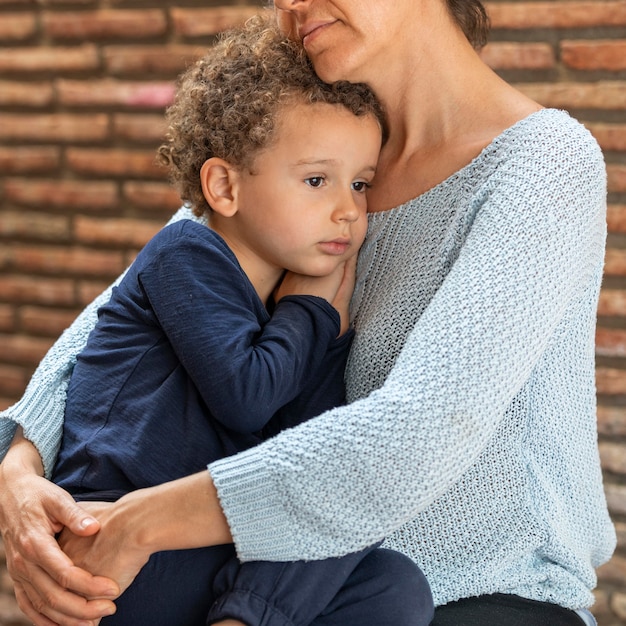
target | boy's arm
[
  {"x": 40, "y": 411},
  {"x": 245, "y": 364}
]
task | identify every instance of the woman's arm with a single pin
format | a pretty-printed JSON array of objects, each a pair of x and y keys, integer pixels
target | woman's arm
[
  {"x": 177, "y": 515},
  {"x": 32, "y": 508},
  {"x": 535, "y": 245}
]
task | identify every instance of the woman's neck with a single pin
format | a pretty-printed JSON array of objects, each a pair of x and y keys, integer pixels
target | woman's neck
[{"x": 444, "y": 111}]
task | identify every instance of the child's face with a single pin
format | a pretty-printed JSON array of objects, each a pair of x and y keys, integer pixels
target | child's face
[{"x": 304, "y": 206}]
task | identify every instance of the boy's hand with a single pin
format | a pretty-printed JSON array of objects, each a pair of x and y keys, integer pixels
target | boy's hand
[{"x": 336, "y": 288}]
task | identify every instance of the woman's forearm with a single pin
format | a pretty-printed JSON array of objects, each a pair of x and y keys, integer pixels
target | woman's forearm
[{"x": 180, "y": 514}]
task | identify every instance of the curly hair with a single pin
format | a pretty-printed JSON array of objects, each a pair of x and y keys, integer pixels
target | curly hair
[{"x": 228, "y": 103}]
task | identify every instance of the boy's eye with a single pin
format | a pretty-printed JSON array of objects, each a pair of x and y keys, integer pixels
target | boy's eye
[
  {"x": 360, "y": 185},
  {"x": 314, "y": 181}
]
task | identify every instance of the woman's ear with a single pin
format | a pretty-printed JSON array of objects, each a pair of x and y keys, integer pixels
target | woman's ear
[{"x": 219, "y": 186}]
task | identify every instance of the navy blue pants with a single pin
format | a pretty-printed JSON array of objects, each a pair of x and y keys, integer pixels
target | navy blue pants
[{"x": 196, "y": 587}]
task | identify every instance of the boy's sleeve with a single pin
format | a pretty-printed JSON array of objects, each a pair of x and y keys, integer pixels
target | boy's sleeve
[
  {"x": 324, "y": 389},
  {"x": 40, "y": 411},
  {"x": 245, "y": 364}
]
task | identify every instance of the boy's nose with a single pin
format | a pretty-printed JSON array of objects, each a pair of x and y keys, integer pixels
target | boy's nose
[{"x": 347, "y": 212}]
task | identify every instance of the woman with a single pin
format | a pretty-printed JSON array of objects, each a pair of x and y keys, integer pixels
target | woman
[{"x": 470, "y": 441}]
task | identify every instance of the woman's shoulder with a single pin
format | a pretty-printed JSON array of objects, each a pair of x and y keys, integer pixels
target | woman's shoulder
[{"x": 551, "y": 131}]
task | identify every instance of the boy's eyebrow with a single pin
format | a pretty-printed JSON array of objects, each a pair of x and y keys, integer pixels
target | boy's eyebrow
[{"x": 313, "y": 161}]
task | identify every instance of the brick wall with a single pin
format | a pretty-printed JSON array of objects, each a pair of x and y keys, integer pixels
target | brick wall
[{"x": 83, "y": 84}]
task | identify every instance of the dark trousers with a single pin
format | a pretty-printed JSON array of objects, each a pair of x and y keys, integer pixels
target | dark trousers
[
  {"x": 181, "y": 588},
  {"x": 504, "y": 610}
]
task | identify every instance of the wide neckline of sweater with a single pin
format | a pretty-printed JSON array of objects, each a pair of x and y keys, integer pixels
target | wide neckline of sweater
[{"x": 468, "y": 170}]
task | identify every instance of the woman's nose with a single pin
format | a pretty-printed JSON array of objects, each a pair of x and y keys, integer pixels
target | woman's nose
[{"x": 285, "y": 5}]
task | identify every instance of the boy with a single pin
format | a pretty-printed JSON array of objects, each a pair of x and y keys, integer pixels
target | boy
[{"x": 201, "y": 354}]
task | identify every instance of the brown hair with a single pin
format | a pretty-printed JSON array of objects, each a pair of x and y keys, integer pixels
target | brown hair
[
  {"x": 228, "y": 103},
  {"x": 473, "y": 20}
]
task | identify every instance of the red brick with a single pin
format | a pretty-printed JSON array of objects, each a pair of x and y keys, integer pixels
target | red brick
[
  {"x": 89, "y": 290},
  {"x": 616, "y": 498},
  {"x": 17, "y": 26},
  {"x": 616, "y": 218},
  {"x": 609, "y": 136},
  {"x": 30, "y": 160},
  {"x": 65, "y": 261},
  {"x": 110, "y": 92},
  {"x": 611, "y": 342},
  {"x": 30, "y": 95},
  {"x": 116, "y": 232},
  {"x": 119, "y": 163},
  {"x": 203, "y": 22},
  {"x": 42, "y": 59},
  {"x": 507, "y": 56},
  {"x": 611, "y": 381},
  {"x": 7, "y": 317},
  {"x": 612, "y": 303},
  {"x": 601, "y": 609},
  {"x": 620, "y": 529},
  {"x": 557, "y": 14},
  {"x": 594, "y": 55},
  {"x": 62, "y": 194},
  {"x": 23, "y": 349},
  {"x": 75, "y": 3},
  {"x": 139, "y": 128},
  {"x": 612, "y": 420},
  {"x": 12, "y": 379},
  {"x": 57, "y": 127},
  {"x": 105, "y": 24},
  {"x": 150, "y": 60},
  {"x": 613, "y": 456},
  {"x": 615, "y": 262},
  {"x": 613, "y": 571},
  {"x": 604, "y": 95},
  {"x": 33, "y": 225},
  {"x": 618, "y": 605},
  {"x": 48, "y": 291},
  {"x": 616, "y": 177},
  {"x": 45, "y": 321},
  {"x": 151, "y": 196}
]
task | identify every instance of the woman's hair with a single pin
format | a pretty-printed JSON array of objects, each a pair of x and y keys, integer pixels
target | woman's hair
[
  {"x": 473, "y": 20},
  {"x": 228, "y": 103}
]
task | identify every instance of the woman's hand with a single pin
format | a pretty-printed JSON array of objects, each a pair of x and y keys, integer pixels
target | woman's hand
[
  {"x": 177, "y": 515},
  {"x": 111, "y": 552},
  {"x": 49, "y": 588},
  {"x": 336, "y": 288}
]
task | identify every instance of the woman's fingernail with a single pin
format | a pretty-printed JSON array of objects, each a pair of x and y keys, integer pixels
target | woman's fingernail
[{"x": 85, "y": 523}]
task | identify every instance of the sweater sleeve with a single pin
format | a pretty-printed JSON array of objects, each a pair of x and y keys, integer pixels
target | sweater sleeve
[
  {"x": 357, "y": 473},
  {"x": 41, "y": 409}
]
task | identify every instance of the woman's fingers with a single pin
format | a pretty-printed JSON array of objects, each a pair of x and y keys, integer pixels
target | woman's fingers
[{"x": 47, "y": 604}]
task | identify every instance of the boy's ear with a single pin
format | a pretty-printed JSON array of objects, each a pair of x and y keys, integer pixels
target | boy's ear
[{"x": 219, "y": 186}]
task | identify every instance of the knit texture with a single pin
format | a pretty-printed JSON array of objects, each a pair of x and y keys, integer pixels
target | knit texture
[
  {"x": 471, "y": 439},
  {"x": 470, "y": 442}
]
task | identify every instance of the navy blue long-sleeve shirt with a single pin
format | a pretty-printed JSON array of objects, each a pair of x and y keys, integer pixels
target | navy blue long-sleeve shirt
[{"x": 186, "y": 366}]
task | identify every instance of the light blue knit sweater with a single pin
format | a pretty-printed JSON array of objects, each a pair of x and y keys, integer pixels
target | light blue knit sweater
[{"x": 470, "y": 442}]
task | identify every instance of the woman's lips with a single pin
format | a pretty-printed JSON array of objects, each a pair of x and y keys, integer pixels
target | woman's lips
[{"x": 310, "y": 31}]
